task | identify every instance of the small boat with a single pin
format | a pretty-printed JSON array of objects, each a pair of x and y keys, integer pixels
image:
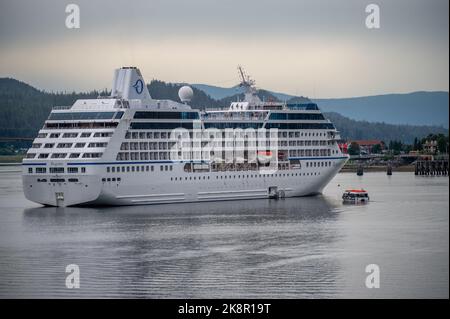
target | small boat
[
  {"x": 355, "y": 196},
  {"x": 264, "y": 156}
]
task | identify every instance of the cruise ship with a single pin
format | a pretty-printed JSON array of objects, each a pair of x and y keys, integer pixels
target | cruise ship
[{"x": 130, "y": 149}]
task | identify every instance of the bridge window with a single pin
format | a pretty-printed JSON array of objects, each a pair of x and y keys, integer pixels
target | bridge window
[
  {"x": 159, "y": 125},
  {"x": 302, "y": 106},
  {"x": 67, "y": 116},
  {"x": 167, "y": 115},
  {"x": 80, "y": 125}
]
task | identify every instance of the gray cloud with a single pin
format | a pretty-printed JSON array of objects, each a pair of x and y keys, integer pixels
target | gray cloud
[{"x": 418, "y": 25}]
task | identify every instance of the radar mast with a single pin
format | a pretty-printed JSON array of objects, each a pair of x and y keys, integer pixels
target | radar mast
[{"x": 249, "y": 87}]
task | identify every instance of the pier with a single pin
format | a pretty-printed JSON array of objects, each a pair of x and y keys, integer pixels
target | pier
[{"x": 432, "y": 168}]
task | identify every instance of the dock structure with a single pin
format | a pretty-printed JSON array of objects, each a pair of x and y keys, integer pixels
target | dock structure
[
  {"x": 360, "y": 170},
  {"x": 432, "y": 168},
  {"x": 389, "y": 169}
]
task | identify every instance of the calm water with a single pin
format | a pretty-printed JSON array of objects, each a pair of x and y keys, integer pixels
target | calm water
[{"x": 312, "y": 247}]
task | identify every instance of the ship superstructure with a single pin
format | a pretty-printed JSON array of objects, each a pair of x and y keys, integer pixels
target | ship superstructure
[{"x": 129, "y": 149}]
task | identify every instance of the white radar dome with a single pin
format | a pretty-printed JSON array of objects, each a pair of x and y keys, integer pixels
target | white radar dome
[{"x": 186, "y": 94}]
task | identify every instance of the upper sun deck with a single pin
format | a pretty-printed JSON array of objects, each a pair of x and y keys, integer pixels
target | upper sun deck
[
  {"x": 264, "y": 111},
  {"x": 100, "y": 104},
  {"x": 113, "y": 104}
]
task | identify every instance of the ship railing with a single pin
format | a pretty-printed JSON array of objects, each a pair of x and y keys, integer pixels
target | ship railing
[
  {"x": 231, "y": 116},
  {"x": 215, "y": 109}
]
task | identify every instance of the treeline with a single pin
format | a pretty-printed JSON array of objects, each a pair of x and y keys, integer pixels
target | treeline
[
  {"x": 363, "y": 130},
  {"x": 23, "y": 110}
]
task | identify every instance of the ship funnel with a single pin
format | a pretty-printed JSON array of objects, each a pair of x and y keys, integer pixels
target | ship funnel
[{"x": 129, "y": 84}]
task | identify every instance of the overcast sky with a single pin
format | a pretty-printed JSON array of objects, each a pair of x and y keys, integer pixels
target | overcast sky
[{"x": 317, "y": 48}]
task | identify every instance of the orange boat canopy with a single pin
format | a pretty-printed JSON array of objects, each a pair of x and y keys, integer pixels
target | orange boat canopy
[{"x": 356, "y": 191}]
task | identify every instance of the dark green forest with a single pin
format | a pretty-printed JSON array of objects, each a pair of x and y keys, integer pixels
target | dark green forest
[{"x": 23, "y": 110}]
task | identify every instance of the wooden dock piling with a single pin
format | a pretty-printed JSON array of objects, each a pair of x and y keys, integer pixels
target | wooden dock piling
[{"x": 432, "y": 168}]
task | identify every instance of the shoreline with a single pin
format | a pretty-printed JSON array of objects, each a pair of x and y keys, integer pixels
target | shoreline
[
  {"x": 379, "y": 168},
  {"x": 11, "y": 159}
]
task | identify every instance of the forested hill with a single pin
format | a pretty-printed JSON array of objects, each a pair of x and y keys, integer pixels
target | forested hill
[
  {"x": 23, "y": 110},
  {"x": 415, "y": 108},
  {"x": 363, "y": 130}
]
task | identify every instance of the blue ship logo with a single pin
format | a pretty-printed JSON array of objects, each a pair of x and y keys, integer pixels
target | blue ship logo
[{"x": 139, "y": 86}]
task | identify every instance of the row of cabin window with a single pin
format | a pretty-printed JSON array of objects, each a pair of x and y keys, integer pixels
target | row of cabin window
[
  {"x": 64, "y": 155},
  {"x": 80, "y": 125},
  {"x": 142, "y": 156},
  {"x": 306, "y": 143},
  {"x": 150, "y": 168},
  {"x": 56, "y": 170},
  {"x": 58, "y": 180},
  {"x": 68, "y": 145},
  {"x": 125, "y": 146},
  {"x": 138, "y": 168},
  {"x": 111, "y": 179},
  {"x": 165, "y": 135},
  {"x": 75, "y": 134},
  {"x": 243, "y": 176},
  {"x": 318, "y": 164},
  {"x": 301, "y": 153},
  {"x": 136, "y": 146},
  {"x": 145, "y": 156}
]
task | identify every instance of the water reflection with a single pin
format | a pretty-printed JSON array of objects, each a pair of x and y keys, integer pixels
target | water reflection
[
  {"x": 257, "y": 248},
  {"x": 303, "y": 247}
]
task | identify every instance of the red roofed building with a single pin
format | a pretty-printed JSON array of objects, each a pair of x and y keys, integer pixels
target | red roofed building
[{"x": 366, "y": 146}]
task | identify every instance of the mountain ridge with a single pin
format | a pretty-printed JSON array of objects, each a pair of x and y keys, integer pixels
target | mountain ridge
[
  {"x": 23, "y": 109},
  {"x": 392, "y": 108}
]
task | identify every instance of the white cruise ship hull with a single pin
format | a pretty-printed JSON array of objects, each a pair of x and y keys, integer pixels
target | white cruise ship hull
[
  {"x": 130, "y": 149},
  {"x": 144, "y": 188}
]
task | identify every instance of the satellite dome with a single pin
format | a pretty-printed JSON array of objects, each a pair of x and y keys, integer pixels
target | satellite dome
[{"x": 186, "y": 94}]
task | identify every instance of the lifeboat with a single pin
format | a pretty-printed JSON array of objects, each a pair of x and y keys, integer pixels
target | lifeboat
[
  {"x": 264, "y": 157},
  {"x": 355, "y": 196}
]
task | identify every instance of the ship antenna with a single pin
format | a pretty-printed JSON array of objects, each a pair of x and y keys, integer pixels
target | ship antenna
[{"x": 248, "y": 84}]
